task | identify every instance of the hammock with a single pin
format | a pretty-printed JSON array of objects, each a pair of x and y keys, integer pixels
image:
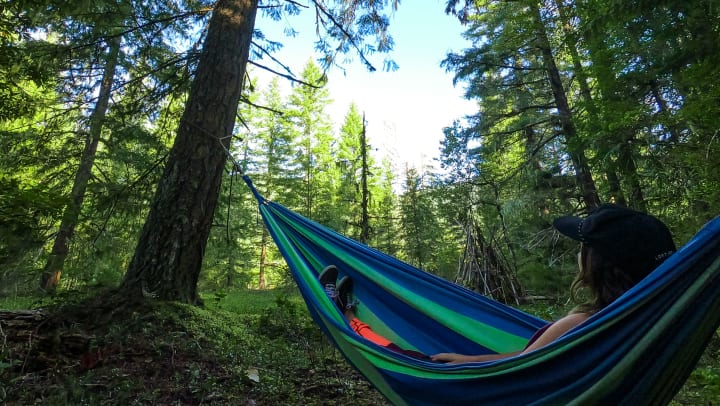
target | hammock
[{"x": 638, "y": 350}]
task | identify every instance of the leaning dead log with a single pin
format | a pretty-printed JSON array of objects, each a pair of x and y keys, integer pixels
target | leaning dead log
[
  {"x": 484, "y": 270},
  {"x": 27, "y": 335}
]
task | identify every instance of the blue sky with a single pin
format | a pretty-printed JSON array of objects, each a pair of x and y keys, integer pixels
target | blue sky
[{"x": 405, "y": 109}]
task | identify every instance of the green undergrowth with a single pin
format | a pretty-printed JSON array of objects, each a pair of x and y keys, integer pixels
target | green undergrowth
[
  {"x": 702, "y": 386},
  {"x": 241, "y": 348},
  {"x": 104, "y": 350}
]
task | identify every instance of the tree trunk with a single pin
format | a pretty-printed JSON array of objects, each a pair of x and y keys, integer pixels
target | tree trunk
[
  {"x": 170, "y": 250},
  {"x": 616, "y": 193},
  {"x": 265, "y": 240},
  {"x": 626, "y": 162},
  {"x": 308, "y": 177},
  {"x": 365, "y": 219},
  {"x": 56, "y": 261},
  {"x": 565, "y": 118},
  {"x": 571, "y": 43}
]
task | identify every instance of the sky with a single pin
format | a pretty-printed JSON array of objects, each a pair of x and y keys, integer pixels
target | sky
[{"x": 405, "y": 109}]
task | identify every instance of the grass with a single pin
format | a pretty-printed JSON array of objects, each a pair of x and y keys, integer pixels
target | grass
[
  {"x": 19, "y": 302},
  {"x": 242, "y": 348},
  {"x": 250, "y": 301}
]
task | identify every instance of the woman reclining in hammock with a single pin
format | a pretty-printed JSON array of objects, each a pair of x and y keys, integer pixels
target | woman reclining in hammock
[{"x": 619, "y": 247}]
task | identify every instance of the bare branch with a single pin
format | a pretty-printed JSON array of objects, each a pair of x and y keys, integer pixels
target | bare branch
[
  {"x": 259, "y": 106},
  {"x": 266, "y": 52},
  {"x": 284, "y": 75}
]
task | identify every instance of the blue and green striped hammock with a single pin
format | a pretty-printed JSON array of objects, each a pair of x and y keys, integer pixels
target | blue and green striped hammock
[{"x": 638, "y": 350}]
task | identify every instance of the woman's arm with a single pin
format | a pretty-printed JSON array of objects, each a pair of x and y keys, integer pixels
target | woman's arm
[
  {"x": 452, "y": 358},
  {"x": 553, "y": 332}
]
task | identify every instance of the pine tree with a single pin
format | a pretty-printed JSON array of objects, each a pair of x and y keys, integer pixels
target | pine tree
[
  {"x": 279, "y": 173},
  {"x": 419, "y": 221},
  {"x": 306, "y": 110},
  {"x": 169, "y": 253},
  {"x": 384, "y": 211},
  {"x": 350, "y": 158}
]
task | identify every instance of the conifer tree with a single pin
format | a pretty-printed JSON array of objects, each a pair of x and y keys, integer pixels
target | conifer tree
[
  {"x": 306, "y": 110},
  {"x": 419, "y": 221},
  {"x": 279, "y": 172},
  {"x": 384, "y": 211},
  {"x": 54, "y": 266},
  {"x": 169, "y": 253},
  {"x": 350, "y": 158}
]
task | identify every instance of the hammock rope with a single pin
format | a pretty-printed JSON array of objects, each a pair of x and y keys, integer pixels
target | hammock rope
[{"x": 638, "y": 350}]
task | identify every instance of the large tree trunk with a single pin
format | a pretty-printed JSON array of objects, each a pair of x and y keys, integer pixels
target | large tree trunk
[
  {"x": 565, "y": 117},
  {"x": 56, "y": 261},
  {"x": 170, "y": 250}
]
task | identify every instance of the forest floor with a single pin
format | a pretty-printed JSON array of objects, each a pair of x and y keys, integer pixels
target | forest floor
[
  {"x": 105, "y": 350},
  {"x": 248, "y": 348}
]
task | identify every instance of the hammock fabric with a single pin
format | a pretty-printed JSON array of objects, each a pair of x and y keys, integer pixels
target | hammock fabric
[{"x": 638, "y": 350}]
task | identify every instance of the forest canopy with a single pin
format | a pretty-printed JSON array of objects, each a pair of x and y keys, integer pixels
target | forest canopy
[{"x": 115, "y": 173}]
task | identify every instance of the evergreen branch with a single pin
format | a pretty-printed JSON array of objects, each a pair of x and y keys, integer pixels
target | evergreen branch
[
  {"x": 158, "y": 68},
  {"x": 511, "y": 67},
  {"x": 125, "y": 188},
  {"x": 139, "y": 27},
  {"x": 519, "y": 111},
  {"x": 346, "y": 35},
  {"x": 517, "y": 170},
  {"x": 243, "y": 122},
  {"x": 297, "y": 4}
]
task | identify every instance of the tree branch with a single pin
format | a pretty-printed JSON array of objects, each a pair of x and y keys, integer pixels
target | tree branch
[
  {"x": 346, "y": 34},
  {"x": 291, "y": 78}
]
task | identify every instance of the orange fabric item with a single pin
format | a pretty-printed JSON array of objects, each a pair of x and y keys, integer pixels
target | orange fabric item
[{"x": 363, "y": 330}]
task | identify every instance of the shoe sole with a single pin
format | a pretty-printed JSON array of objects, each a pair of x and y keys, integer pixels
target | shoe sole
[
  {"x": 344, "y": 289},
  {"x": 328, "y": 275}
]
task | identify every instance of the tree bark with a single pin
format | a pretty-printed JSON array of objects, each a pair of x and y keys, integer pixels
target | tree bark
[
  {"x": 50, "y": 276},
  {"x": 168, "y": 257},
  {"x": 565, "y": 117}
]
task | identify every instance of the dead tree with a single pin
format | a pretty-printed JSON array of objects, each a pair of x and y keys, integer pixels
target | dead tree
[{"x": 484, "y": 270}]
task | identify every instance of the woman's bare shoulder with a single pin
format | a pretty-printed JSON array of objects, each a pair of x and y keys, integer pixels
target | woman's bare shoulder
[
  {"x": 557, "y": 329},
  {"x": 572, "y": 320}
]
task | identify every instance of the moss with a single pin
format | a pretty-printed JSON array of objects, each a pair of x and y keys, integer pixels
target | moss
[{"x": 148, "y": 352}]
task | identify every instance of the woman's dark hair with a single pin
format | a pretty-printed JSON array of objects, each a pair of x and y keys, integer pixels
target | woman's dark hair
[{"x": 603, "y": 280}]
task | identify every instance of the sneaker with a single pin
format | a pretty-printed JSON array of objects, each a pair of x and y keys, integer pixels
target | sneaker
[
  {"x": 327, "y": 278},
  {"x": 344, "y": 297}
]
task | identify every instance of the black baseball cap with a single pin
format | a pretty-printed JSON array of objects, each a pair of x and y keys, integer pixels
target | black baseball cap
[{"x": 634, "y": 241}]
